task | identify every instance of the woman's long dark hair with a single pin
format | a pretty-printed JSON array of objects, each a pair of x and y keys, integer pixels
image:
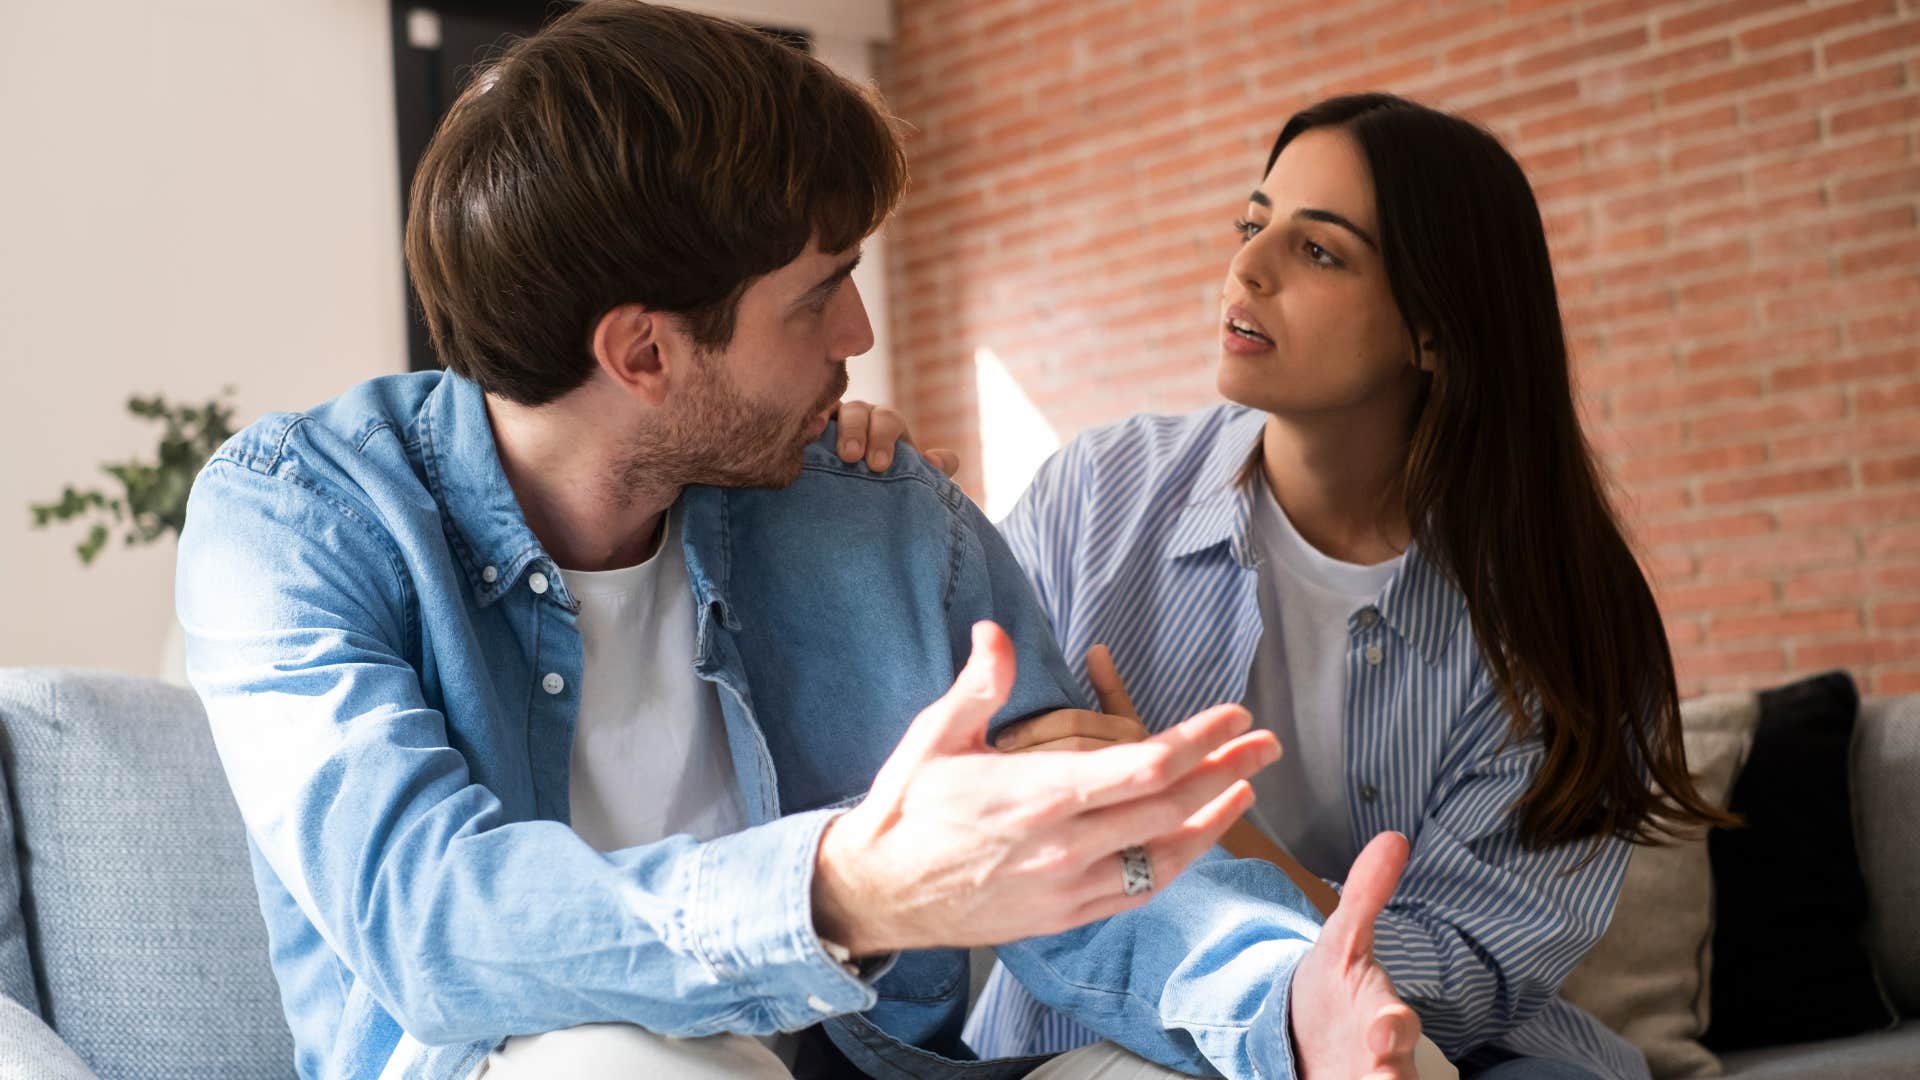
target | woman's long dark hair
[{"x": 1501, "y": 487}]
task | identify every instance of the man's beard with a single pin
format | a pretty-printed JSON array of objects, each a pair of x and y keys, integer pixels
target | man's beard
[{"x": 722, "y": 438}]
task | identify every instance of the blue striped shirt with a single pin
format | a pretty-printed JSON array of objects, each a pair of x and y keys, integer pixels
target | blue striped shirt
[{"x": 1136, "y": 535}]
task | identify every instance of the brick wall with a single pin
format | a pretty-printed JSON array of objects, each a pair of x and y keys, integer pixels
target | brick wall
[{"x": 1730, "y": 192}]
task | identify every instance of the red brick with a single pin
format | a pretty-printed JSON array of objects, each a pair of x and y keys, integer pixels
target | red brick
[
  {"x": 1526, "y": 100},
  {"x": 1900, "y": 181},
  {"x": 1875, "y": 399},
  {"x": 1713, "y": 190},
  {"x": 1580, "y": 52},
  {"x": 1834, "y": 228},
  {"x": 1796, "y": 481},
  {"x": 1876, "y": 328},
  {"x": 1804, "y": 26},
  {"x": 1825, "y": 585},
  {"x": 1723, "y": 527},
  {"x": 1904, "y": 253},
  {"x": 1587, "y": 118},
  {"x": 1719, "y": 597},
  {"x": 1784, "y": 624},
  {"x": 1896, "y": 680},
  {"x": 1859, "y": 510},
  {"x": 1849, "y": 369},
  {"x": 1897, "y": 113},
  {"x": 1503, "y": 43},
  {"x": 1859, "y": 156},
  {"x": 1902, "y": 616},
  {"x": 1691, "y": 462},
  {"x": 1780, "y": 555},
  {"x": 1805, "y": 96},
  {"x": 1792, "y": 345},
  {"x": 1735, "y": 79},
  {"x": 1873, "y": 43},
  {"x": 1894, "y": 540},
  {"x": 1746, "y": 145},
  {"x": 1856, "y": 652},
  {"x": 1886, "y": 471},
  {"x": 1707, "y": 16},
  {"x": 1843, "y": 441},
  {"x": 1734, "y": 662}
]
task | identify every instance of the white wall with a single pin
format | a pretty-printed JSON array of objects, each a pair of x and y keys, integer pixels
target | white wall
[{"x": 192, "y": 193}]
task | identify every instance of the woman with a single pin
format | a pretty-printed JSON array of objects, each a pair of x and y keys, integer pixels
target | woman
[{"x": 1395, "y": 547}]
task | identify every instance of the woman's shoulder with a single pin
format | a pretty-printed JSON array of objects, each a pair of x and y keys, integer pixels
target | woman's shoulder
[
  {"x": 1147, "y": 452},
  {"x": 1165, "y": 434}
]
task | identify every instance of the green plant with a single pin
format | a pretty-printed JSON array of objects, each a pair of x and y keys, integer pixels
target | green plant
[{"x": 153, "y": 502}]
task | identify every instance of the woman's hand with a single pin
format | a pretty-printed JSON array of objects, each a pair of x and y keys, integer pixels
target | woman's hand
[
  {"x": 1079, "y": 729},
  {"x": 872, "y": 431}
]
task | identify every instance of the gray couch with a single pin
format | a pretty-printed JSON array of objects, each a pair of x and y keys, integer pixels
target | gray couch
[{"x": 131, "y": 946}]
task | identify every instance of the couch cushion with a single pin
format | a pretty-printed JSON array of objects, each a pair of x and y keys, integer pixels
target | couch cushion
[
  {"x": 29, "y": 1048},
  {"x": 1886, "y": 804},
  {"x": 16, "y": 967},
  {"x": 1881, "y": 1055},
  {"x": 1647, "y": 976},
  {"x": 140, "y": 912},
  {"x": 1790, "y": 906}
]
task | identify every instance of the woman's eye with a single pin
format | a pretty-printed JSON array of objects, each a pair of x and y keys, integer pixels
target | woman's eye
[
  {"x": 1247, "y": 229},
  {"x": 1321, "y": 255}
]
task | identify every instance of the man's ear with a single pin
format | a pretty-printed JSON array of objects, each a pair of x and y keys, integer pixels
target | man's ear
[{"x": 627, "y": 344}]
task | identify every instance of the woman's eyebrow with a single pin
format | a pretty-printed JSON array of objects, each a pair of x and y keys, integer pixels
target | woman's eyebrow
[{"x": 1259, "y": 198}]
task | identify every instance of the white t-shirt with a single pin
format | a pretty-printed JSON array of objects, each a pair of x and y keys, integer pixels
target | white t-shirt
[
  {"x": 1298, "y": 686},
  {"x": 650, "y": 755}
]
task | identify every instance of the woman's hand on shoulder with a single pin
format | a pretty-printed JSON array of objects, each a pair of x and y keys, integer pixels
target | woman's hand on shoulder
[{"x": 872, "y": 431}]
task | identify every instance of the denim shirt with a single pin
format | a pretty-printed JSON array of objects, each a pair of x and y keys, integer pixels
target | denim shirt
[{"x": 391, "y": 668}]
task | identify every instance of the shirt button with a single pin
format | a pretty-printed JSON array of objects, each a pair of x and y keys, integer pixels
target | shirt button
[
  {"x": 1368, "y": 793},
  {"x": 553, "y": 683},
  {"x": 537, "y": 582},
  {"x": 1374, "y": 655},
  {"x": 490, "y": 575},
  {"x": 1369, "y": 617},
  {"x": 819, "y": 1006}
]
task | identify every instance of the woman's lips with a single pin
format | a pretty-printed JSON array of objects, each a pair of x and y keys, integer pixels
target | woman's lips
[{"x": 1240, "y": 333}]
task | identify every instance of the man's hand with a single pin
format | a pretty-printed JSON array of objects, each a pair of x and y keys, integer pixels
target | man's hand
[
  {"x": 958, "y": 845},
  {"x": 1347, "y": 1021},
  {"x": 873, "y": 430}
]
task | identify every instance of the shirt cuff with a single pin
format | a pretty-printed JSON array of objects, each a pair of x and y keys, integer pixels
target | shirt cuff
[{"x": 751, "y": 922}]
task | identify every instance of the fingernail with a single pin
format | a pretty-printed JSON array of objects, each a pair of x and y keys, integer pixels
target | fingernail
[
  {"x": 882, "y": 459},
  {"x": 851, "y": 446}
]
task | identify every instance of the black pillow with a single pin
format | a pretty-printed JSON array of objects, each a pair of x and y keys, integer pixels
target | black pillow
[{"x": 1790, "y": 907}]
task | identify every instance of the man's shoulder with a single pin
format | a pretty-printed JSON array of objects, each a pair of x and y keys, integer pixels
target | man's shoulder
[
  {"x": 334, "y": 432},
  {"x": 821, "y": 463}
]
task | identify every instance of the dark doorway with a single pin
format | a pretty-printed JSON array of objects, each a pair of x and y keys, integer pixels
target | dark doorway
[{"x": 436, "y": 49}]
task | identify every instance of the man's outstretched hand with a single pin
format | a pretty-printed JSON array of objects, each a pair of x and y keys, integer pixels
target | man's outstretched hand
[
  {"x": 958, "y": 844},
  {"x": 1347, "y": 1021}
]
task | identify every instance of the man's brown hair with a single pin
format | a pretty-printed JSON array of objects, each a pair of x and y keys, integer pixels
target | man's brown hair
[{"x": 629, "y": 153}]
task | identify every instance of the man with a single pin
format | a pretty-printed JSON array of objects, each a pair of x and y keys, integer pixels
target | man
[{"x": 565, "y": 695}]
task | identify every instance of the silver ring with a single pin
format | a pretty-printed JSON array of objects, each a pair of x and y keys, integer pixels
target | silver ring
[{"x": 1136, "y": 870}]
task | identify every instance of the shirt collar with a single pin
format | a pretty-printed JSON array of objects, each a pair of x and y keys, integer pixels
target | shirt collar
[
  {"x": 1422, "y": 606},
  {"x": 482, "y": 518},
  {"x": 1218, "y": 505},
  {"x": 1419, "y": 603}
]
